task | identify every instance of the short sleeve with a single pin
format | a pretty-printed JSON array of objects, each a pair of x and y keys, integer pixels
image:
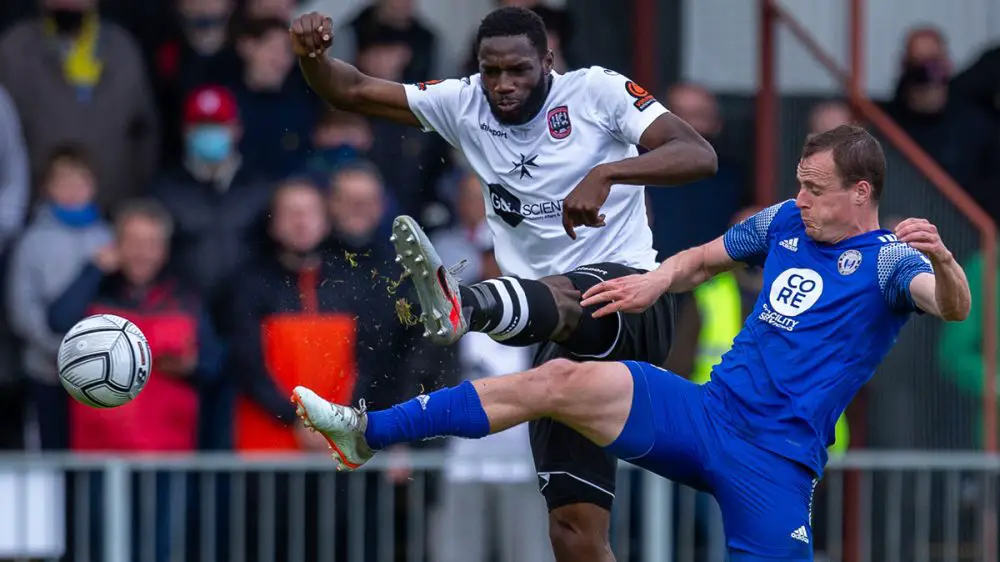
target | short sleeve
[
  {"x": 898, "y": 264},
  {"x": 624, "y": 108},
  {"x": 749, "y": 241},
  {"x": 438, "y": 105}
]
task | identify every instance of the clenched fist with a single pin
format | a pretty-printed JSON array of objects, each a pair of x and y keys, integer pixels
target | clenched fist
[
  {"x": 923, "y": 236},
  {"x": 312, "y": 35}
]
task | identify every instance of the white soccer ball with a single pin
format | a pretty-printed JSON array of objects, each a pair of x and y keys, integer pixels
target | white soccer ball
[{"x": 104, "y": 361}]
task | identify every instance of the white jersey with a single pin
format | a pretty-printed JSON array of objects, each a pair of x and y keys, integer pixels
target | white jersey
[{"x": 590, "y": 117}]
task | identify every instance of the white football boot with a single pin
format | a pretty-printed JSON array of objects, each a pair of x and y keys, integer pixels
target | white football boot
[
  {"x": 437, "y": 287},
  {"x": 342, "y": 426}
]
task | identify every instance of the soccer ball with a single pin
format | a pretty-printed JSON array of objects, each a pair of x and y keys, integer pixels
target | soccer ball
[{"x": 104, "y": 361}]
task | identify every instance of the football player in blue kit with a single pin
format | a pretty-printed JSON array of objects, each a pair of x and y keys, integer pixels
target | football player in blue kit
[{"x": 837, "y": 291}]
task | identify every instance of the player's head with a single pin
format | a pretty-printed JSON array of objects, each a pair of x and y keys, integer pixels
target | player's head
[
  {"x": 514, "y": 63},
  {"x": 840, "y": 176}
]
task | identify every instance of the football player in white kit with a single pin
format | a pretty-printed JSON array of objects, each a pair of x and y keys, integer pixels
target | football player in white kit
[{"x": 563, "y": 181}]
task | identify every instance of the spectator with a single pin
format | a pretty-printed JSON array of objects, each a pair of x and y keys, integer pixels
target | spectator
[
  {"x": 77, "y": 78},
  {"x": 15, "y": 188},
  {"x": 827, "y": 115},
  {"x": 199, "y": 53},
  {"x": 357, "y": 204},
  {"x": 980, "y": 83},
  {"x": 269, "y": 299},
  {"x": 130, "y": 280},
  {"x": 396, "y": 36},
  {"x": 66, "y": 232},
  {"x": 692, "y": 214},
  {"x": 265, "y": 9},
  {"x": 400, "y": 152},
  {"x": 215, "y": 201},
  {"x": 277, "y": 107},
  {"x": 339, "y": 137},
  {"x": 958, "y": 135}
]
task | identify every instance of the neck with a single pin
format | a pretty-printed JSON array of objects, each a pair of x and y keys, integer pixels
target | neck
[
  {"x": 298, "y": 261},
  {"x": 866, "y": 223}
]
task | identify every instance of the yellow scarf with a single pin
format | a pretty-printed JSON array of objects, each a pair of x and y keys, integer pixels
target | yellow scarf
[{"x": 81, "y": 66}]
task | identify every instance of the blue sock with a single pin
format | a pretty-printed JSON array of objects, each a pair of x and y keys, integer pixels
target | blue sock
[{"x": 454, "y": 411}]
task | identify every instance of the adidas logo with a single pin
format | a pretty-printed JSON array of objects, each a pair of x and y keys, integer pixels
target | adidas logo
[
  {"x": 792, "y": 244},
  {"x": 801, "y": 534}
]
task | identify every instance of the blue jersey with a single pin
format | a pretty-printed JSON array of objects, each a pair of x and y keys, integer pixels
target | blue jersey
[{"x": 824, "y": 320}]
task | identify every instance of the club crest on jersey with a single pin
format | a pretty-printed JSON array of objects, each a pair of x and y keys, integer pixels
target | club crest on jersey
[
  {"x": 848, "y": 262},
  {"x": 559, "y": 124}
]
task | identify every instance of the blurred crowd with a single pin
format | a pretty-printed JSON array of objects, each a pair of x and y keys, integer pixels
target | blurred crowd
[{"x": 166, "y": 161}]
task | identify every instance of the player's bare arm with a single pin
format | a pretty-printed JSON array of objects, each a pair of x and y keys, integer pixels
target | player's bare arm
[
  {"x": 679, "y": 273},
  {"x": 946, "y": 293},
  {"x": 677, "y": 155},
  {"x": 339, "y": 83}
]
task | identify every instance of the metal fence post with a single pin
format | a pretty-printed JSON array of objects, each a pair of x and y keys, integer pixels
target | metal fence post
[
  {"x": 658, "y": 518},
  {"x": 117, "y": 522}
]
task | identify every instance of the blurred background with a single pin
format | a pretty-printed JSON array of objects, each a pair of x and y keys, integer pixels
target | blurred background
[{"x": 164, "y": 160}]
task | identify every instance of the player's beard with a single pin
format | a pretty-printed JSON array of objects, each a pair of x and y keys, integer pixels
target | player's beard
[{"x": 531, "y": 106}]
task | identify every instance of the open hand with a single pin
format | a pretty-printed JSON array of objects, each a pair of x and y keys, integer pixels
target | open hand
[
  {"x": 632, "y": 293},
  {"x": 582, "y": 207},
  {"x": 312, "y": 35},
  {"x": 923, "y": 236}
]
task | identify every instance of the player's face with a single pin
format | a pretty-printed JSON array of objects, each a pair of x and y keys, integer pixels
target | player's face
[
  {"x": 828, "y": 206},
  {"x": 515, "y": 78}
]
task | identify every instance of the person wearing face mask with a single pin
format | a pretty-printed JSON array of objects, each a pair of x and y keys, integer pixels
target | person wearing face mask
[
  {"x": 65, "y": 233},
  {"x": 215, "y": 200},
  {"x": 338, "y": 138},
  {"x": 74, "y": 75},
  {"x": 198, "y": 52},
  {"x": 955, "y": 133}
]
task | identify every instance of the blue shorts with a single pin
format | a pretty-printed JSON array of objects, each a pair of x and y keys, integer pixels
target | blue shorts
[{"x": 765, "y": 499}]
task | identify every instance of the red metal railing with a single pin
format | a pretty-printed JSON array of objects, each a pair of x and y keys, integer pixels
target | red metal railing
[{"x": 770, "y": 14}]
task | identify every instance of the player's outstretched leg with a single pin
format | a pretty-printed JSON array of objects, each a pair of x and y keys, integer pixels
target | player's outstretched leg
[
  {"x": 593, "y": 398},
  {"x": 512, "y": 311}
]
